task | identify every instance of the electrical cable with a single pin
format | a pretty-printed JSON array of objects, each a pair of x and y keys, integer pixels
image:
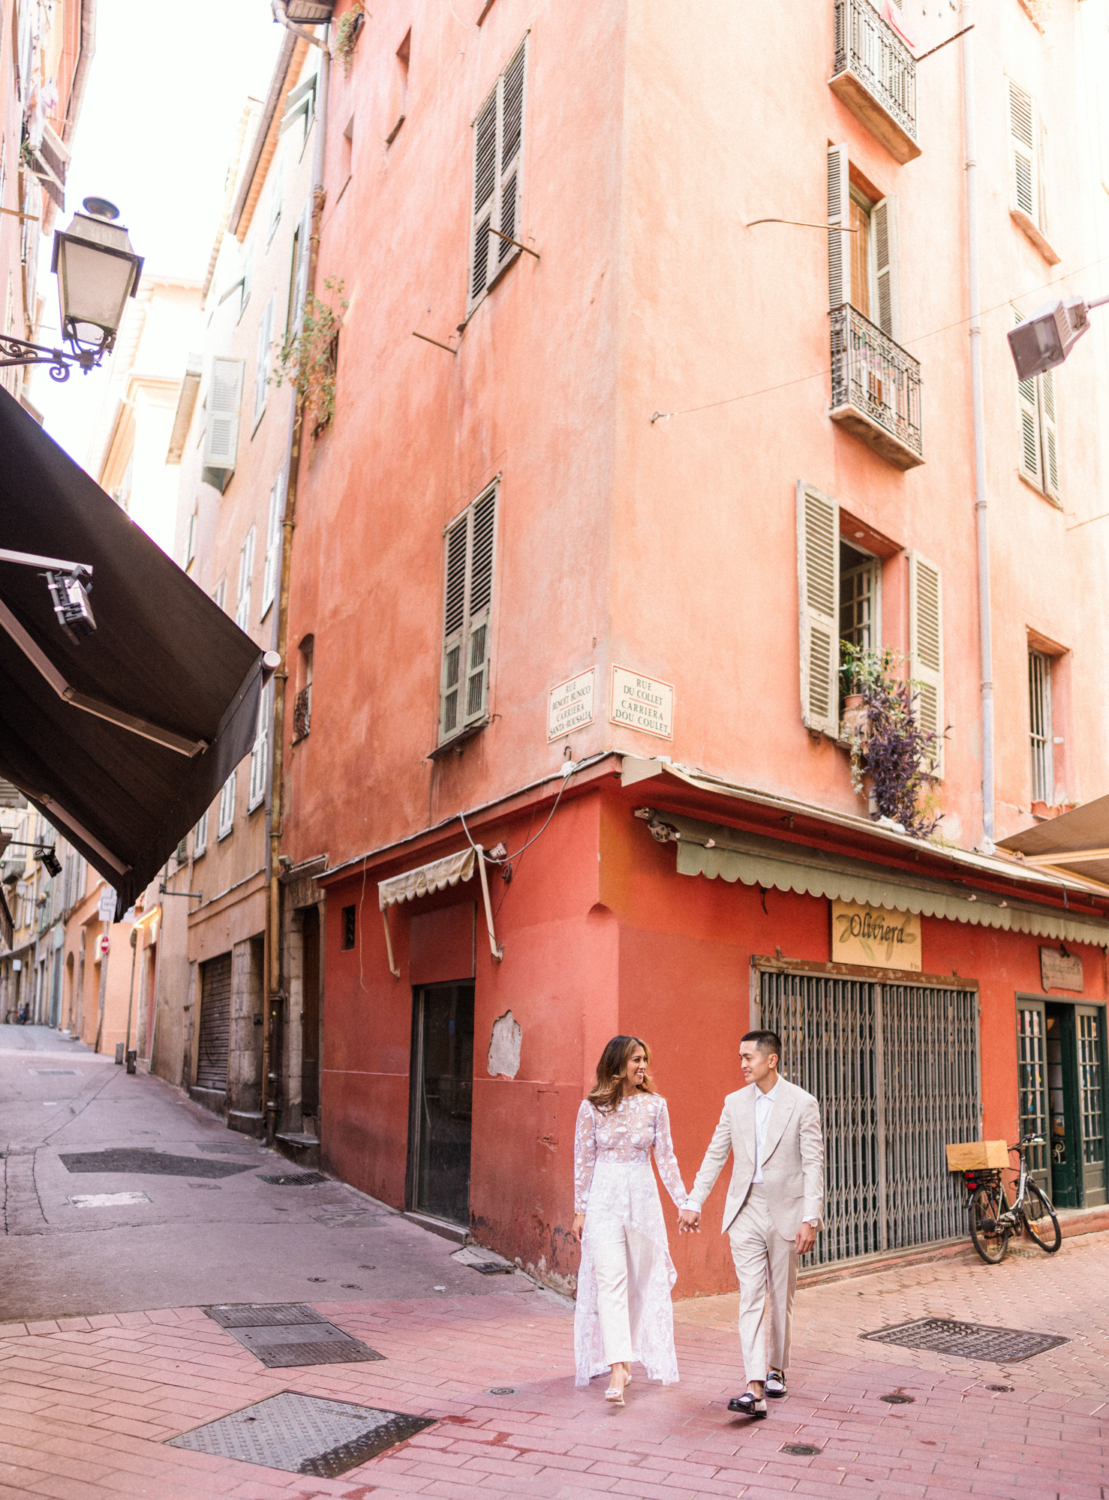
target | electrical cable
[{"x": 508, "y": 858}]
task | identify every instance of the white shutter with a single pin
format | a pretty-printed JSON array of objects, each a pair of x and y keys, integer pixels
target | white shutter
[
  {"x": 818, "y": 587},
  {"x": 1029, "y": 403},
  {"x": 259, "y": 754},
  {"x": 301, "y": 247},
  {"x": 262, "y": 361},
  {"x": 479, "y": 607},
  {"x": 273, "y": 546},
  {"x": 1049, "y": 434},
  {"x": 246, "y": 575},
  {"x": 200, "y": 835},
  {"x": 839, "y": 221},
  {"x": 498, "y": 154},
  {"x": 926, "y": 648},
  {"x": 1024, "y": 153},
  {"x": 887, "y": 280},
  {"x": 221, "y": 431},
  {"x": 227, "y": 807}
]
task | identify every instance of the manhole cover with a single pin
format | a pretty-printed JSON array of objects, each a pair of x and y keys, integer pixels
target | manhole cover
[
  {"x": 502, "y": 1390},
  {"x": 999, "y": 1387},
  {"x": 288, "y": 1335},
  {"x": 303, "y": 1434},
  {"x": 140, "y": 1159},
  {"x": 801, "y": 1450},
  {"x": 970, "y": 1340},
  {"x": 292, "y": 1179},
  {"x": 897, "y": 1398}
]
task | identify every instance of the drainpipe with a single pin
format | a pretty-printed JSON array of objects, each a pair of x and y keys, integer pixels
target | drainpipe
[
  {"x": 273, "y": 990},
  {"x": 981, "y": 498}
]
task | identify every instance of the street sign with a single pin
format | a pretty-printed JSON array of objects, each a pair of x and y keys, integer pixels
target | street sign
[
  {"x": 570, "y": 705},
  {"x": 103, "y": 944},
  {"x": 107, "y": 904},
  {"x": 642, "y": 703}
]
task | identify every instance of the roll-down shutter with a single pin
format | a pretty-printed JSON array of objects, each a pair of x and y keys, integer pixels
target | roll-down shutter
[{"x": 215, "y": 1023}]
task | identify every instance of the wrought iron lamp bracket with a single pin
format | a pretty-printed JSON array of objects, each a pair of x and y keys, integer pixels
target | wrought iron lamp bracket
[{"x": 15, "y": 351}]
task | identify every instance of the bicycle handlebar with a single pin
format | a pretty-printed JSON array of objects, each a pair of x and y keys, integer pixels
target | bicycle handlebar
[{"x": 1029, "y": 1140}]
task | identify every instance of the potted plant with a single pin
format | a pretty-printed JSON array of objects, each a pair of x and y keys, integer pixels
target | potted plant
[{"x": 889, "y": 746}]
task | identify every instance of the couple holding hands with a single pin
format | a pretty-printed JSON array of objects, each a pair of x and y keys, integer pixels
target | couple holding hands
[{"x": 624, "y": 1313}]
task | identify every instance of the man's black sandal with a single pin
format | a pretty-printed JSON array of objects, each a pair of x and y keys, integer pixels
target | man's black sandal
[
  {"x": 775, "y": 1383},
  {"x": 748, "y": 1405}
]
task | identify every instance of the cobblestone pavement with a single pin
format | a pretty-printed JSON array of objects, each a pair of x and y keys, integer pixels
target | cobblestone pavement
[{"x": 88, "y": 1403}]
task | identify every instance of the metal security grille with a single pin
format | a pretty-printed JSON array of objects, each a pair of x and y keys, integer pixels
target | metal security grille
[
  {"x": 215, "y": 1023},
  {"x": 1039, "y": 714},
  {"x": 895, "y": 1068},
  {"x": 969, "y": 1340}
]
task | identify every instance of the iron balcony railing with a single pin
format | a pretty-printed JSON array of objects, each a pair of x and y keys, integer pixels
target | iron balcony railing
[
  {"x": 875, "y": 377},
  {"x": 870, "y": 48}
]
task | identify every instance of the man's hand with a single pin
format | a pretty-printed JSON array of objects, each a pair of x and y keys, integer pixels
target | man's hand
[
  {"x": 806, "y": 1238},
  {"x": 689, "y": 1220}
]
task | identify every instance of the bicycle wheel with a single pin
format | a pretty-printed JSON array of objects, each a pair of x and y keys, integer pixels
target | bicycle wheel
[
  {"x": 990, "y": 1238},
  {"x": 1040, "y": 1220}
]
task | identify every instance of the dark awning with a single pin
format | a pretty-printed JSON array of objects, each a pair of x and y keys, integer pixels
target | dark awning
[
  {"x": 1075, "y": 843},
  {"x": 163, "y": 655}
]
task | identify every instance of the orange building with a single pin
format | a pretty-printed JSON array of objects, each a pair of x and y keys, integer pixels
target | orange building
[{"x": 709, "y": 377}]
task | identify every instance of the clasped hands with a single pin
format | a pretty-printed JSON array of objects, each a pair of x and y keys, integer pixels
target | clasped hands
[{"x": 689, "y": 1222}]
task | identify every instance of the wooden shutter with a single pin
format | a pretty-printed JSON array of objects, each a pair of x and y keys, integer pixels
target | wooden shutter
[
  {"x": 226, "y": 806},
  {"x": 259, "y": 754},
  {"x": 273, "y": 547},
  {"x": 887, "y": 280},
  {"x": 262, "y": 361},
  {"x": 1049, "y": 433},
  {"x": 221, "y": 432},
  {"x": 1029, "y": 402},
  {"x": 246, "y": 575},
  {"x": 1023, "y": 148},
  {"x": 818, "y": 587},
  {"x": 926, "y": 647},
  {"x": 498, "y": 153},
  {"x": 467, "y": 616},
  {"x": 839, "y": 218}
]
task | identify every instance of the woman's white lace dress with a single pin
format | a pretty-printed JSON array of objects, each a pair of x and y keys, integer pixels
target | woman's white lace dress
[{"x": 614, "y": 1187}]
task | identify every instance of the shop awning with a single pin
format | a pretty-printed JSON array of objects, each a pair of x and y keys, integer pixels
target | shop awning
[
  {"x": 1075, "y": 843},
  {"x": 424, "y": 880},
  {"x": 121, "y": 740}
]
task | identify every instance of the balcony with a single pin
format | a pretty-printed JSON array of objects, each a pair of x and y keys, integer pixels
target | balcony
[
  {"x": 874, "y": 74},
  {"x": 875, "y": 388}
]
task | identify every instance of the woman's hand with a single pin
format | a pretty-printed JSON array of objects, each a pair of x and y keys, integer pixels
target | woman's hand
[{"x": 579, "y": 1225}]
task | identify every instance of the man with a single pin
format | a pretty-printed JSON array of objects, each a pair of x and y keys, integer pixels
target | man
[{"x": 772, "y": 1212}]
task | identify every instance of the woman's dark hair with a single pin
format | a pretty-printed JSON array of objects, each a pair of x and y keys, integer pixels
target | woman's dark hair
[{"x": 611, "y": 1069}]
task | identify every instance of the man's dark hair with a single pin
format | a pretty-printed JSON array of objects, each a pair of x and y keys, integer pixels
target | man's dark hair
[{"x": 765, "y": 1041}]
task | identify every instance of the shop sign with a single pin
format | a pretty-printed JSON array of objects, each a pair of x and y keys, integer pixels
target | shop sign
[
  {"x": 570, "y": 705},
  {"x": 1061, "y": 971},
  {"x": 874, "y": 937},
  {"x": 107, "y": 910},
  {"x": 642, "y": 703}
]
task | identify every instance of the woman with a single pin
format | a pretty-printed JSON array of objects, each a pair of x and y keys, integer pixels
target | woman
[{"x": 623, "y": 1307}]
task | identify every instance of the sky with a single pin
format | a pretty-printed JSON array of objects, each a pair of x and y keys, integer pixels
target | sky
[{"x": 156, "y": 131}]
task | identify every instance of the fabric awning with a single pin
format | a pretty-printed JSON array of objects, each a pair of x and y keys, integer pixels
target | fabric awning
[
  {"x": 1075, "y": 843},
  {"x": 425, "y": 879},
  {"x": 164, "y": 657}
]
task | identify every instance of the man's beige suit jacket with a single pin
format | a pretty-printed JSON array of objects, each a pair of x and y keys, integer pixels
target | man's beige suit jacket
[{"x": 793, "y": 1158}]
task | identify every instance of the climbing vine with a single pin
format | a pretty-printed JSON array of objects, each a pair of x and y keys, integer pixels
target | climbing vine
[{"x": 347, "y": 33}]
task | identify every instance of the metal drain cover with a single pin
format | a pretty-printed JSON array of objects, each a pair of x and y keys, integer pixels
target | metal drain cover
[
  {"x": 969, "y": 1340},
  {"x": 303, "y": 1434},
  {"x": 140, "y": 1159},
  {"x": 491, "y": 1268},
  {"x": 288, "y": 1335},
  {"x": 801, "y": 1450},
  {"x": 293, "y": 1179}
]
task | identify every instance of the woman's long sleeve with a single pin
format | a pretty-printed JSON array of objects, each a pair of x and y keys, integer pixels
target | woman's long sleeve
[
  {"x": 665, "y": 1159},
  {"x": 585, "y": 1156}
]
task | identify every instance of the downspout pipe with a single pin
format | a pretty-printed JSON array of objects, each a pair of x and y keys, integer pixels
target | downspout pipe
[
  {"x": 981, "y": 495},
  {"x": 274, "y": 990}
]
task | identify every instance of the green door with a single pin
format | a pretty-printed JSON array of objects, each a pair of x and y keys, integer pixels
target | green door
[
  {"x": 1062, "y": 1106},
  {"x": 1090, "y": 1058},
  {"x": 1032, "y": 1084}
]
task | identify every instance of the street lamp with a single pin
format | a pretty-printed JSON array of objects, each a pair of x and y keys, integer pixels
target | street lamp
[
  {"x": 97, "y": 272},
  {"x": 1046, "y": 338}
]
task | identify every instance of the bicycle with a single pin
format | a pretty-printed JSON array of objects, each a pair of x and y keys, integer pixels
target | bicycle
[{"x": 994, "y": 1220}]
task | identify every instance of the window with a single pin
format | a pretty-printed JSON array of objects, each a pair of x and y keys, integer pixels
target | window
[
  {"x": 200, "y": 835},
  {"x": 302, "y": 705},
  {"x": 1039, "y": 716},
  {"x": 350, "y": 926},
  {"x": 190, "y": 544},
  {"x": 859, "y": 577},
  {"x": 300, "y": 106},
  {"x": 227, "y": 807},
  {"x": 926, "y": 649},
  {"x": 863, "y": 258},
  {"x": 262, "y": 360},
  {"x": 468, "y": 594},
  {"x": 398, "y": 104},
  {"x": 273, "y": 547},
  {"x": 1027, "y": 196},
  {"x": 298, "y": 270},
  {"x": 246, "y": 575},
  {"x": 221, "y": 426},
  {"x": 219, "y": 594},
  {"x": 260, "y": 751},
  {"x": 1039, "y": 434},
  {"x": 498, "y": 155},
  {"x": 273, "y": 200}
]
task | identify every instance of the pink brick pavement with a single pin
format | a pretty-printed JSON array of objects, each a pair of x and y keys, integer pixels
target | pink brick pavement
[{"x": 86, "y": 1404}]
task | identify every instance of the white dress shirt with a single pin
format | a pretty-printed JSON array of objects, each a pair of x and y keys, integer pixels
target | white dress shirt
[{"x": 764, "y": 1105}]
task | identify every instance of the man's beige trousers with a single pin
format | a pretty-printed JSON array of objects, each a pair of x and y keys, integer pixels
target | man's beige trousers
[{"x": 766, "y": 1265}]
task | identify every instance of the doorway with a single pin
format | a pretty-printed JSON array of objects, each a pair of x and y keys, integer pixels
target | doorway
[
  {"x": 1061, "y": 1076},
  {"x": 310, "y": 1019},
  {"x": 441, "y": 1108}
]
